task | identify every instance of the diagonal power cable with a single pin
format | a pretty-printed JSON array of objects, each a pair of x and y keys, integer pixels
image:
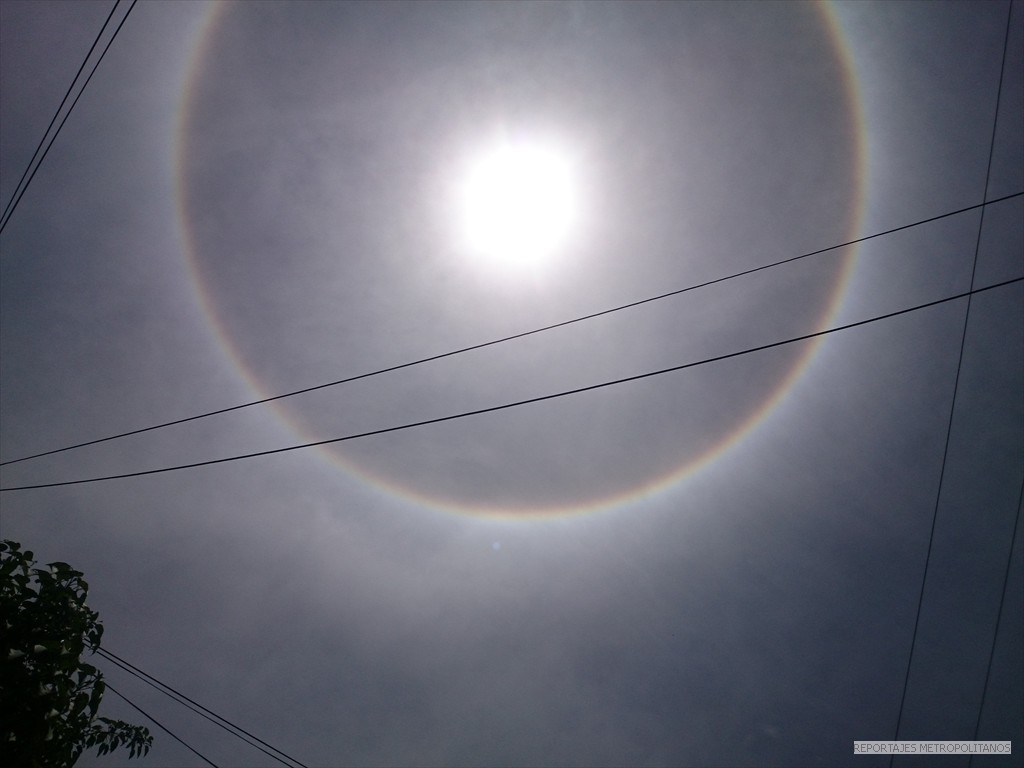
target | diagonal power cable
[
  {"x": 199, "y": 709},
  {"x": 56, "y": 114},
  {"x": 504, "y": 339},
  {"x": 160, "y": 725},
  {"x": 999, "y": 616},
  {"x": 13, "y": 203},
  {"x": 518, "y": 403},
  {"x": 956, "y": 386}
]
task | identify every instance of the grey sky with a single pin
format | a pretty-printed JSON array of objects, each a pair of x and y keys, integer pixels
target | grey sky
[{"x": 755, "y": 611}]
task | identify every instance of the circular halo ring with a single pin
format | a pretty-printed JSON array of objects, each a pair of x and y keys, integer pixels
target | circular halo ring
[{"x": 850, "y": 88}]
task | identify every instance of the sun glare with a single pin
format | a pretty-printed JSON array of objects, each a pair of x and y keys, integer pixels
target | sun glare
[{"x": 518, "y": 206}]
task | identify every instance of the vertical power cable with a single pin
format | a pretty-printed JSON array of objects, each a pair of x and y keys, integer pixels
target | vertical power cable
[
  {"x": 956, "y": 383},
  {"x": 999, "y": 616}
]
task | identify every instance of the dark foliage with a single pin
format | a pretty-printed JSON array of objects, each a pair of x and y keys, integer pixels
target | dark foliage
[{"x": 49, "y": 697}]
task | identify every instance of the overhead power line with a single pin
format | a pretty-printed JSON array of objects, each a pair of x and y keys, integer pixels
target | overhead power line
[
  {"x": 56, "y": 114},
  {"x": 1016, "y": 519},
  {"x": 161, "y": 726},
  {"x": 956, "y": 387},
  {"x": 999, "y": 615},
  {"x": 199, "y": 709},
  {"x": 16, "y": 197},
  {"x": 521, "y": 335},
  {"x": 528, "y": 401}
]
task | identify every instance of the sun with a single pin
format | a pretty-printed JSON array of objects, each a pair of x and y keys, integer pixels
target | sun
[{"x": 518, "y": 205}]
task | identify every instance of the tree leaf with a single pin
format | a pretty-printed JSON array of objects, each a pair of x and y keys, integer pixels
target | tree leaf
[{"x": 45, "y": 619}]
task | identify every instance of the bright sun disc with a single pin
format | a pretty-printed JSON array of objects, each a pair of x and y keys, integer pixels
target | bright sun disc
[{"x": 518, "y": 205}]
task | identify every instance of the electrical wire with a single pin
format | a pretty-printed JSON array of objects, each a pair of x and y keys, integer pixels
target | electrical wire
[
  {"x": 956, "y": 385},
  {"x": 523, "y": 334},
  {"x": 56, "y": 114},
  {"x": 17, "y": 196},
  {"x": 999, "y": 616},
  {"x": 17, "y": 199},
  {"x": 198, "y": 708},
  {"x": 518, "y": 403},
  {"x": 160, "y": 725}
]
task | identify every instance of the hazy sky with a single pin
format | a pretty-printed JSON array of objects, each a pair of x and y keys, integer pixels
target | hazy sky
[{"x": 715, "y": 566}]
